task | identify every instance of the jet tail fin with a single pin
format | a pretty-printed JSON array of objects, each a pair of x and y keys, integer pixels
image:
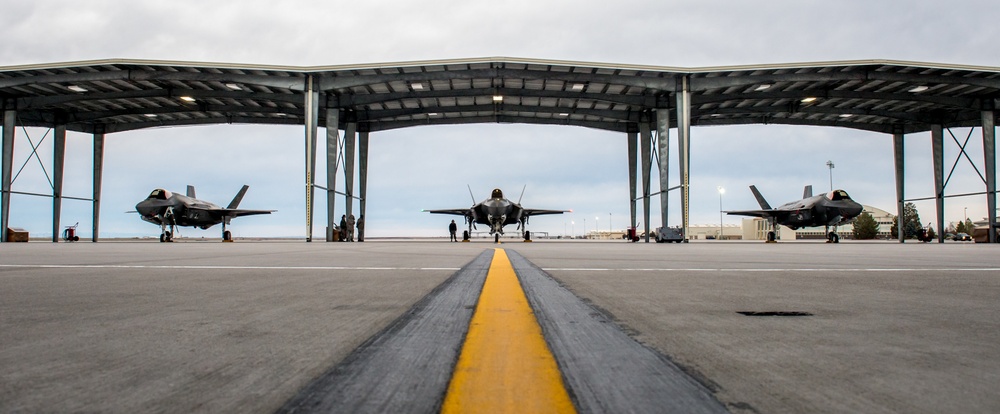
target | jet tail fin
[
  {"x": 470, "y": 194},
  {"x": 807, "y": 192},
  {"x": 522, "y": 194},
  {"x": 190, "y": 191},
  {"x": 760, "y": 198},
  {"x": 239, "y": 197}
]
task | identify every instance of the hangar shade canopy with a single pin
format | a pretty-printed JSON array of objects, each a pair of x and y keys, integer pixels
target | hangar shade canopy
[
  {"x": 892, "y": 97},
  {"x": 115, "y": 95}
]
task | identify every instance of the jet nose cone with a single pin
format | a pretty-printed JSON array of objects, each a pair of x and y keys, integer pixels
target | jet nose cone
[{"x": 853, "y": 210}]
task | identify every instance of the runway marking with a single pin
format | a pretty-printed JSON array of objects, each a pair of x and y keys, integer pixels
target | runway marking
[
  {"x": 603, "y": 367},
  {"x": 915, "y": 269},
  {"x": 406, "y": 367},
  {"x": 505, "y": 366},
  {"x": 200, "y": 267},
  {"x": 558, "y": 269}
]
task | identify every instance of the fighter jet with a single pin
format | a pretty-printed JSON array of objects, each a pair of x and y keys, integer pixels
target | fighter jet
[
  {"x": 166, "y": 208},
  {"x": 830, "y": 209},
  {"x": 496, "y": 212}
]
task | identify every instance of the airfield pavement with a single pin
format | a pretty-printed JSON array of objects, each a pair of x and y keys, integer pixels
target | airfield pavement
[{"x": 200, "y": 326}]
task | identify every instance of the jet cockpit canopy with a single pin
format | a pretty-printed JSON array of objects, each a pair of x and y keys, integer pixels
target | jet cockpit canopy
[
  {"x": 837, "y": 195},
  {"x": 159, "y": 194},
  {"x": 496, "y": 194}
]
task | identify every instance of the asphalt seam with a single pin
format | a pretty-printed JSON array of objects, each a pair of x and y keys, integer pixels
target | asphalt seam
[
  {"x": 406, "y": 367},
  {"x": 604, "y": 369},
  {"x": 212, "y": 267}
]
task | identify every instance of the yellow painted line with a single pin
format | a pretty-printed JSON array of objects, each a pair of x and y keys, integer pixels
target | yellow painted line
[{"x": 505, "y": 365}]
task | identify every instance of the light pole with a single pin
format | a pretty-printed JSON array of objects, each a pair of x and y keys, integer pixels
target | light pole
[
  {"x": 610, "y": 229},
  {"x": 830, "y": 164},
  {"x": 574, "y": 229},
  {"x": 597, "y": 229},
  {"x": 584, "y": 228},
  {"x": 721, "y": 192}
]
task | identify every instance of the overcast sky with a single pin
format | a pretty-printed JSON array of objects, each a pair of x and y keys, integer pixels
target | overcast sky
[{"x": 429, "y": 167}]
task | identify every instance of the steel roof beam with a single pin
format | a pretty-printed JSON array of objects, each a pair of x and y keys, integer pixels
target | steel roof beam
[
  {"x": 701, "y": 84},
  {"x": 45, "y": 101},
  {"x": 357, "y": 100},
  {"x": 375, "y": 116},
  {"x": 346, "y": 82},
  {"x": 389, "y": 125},
  {"x": 963, "y": 103},
  {"x": 295, "y": 83}
]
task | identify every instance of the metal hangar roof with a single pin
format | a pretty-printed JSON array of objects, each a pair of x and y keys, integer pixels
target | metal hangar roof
[{"x": 107, "y": 96}]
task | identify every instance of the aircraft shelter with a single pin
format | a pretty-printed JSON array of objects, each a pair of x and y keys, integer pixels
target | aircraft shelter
[{"x": 644, "y": 102}]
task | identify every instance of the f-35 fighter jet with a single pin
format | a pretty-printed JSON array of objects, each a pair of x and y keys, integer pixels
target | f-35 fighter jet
[
  {"x": 166, "y": 208},
  {"x": 830, "y": 209},
  {"x": 496, "y": 212}
]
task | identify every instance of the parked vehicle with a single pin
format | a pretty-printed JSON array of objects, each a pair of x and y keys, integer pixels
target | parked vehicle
[{"x": 669, "y": 234}]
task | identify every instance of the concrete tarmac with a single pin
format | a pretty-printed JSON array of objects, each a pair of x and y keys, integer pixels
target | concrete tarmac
[{"x": 244, "y": 327}]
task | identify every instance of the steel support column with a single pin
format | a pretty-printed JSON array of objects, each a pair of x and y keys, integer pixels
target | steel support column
[
  {"x": 684, "y": 147},
  {"x": 311, "y": 130},
  {"x": 663, "y": 146},
  {"x": 332, "y": 151},
  {"x": 350, "y": 140},
  {"x": 897, "y": 151},
  {"x": 990, "y": 154},
  {"x": 633, "y": 169},
  {"x": 645, "y": 144},
  {"x": 8, "y": 165},
  {"x": 937, "y": 149},
  {"x": 362, "y": 172},
  {"x": 58, "y": 164},
  {"x": 98, "y": 182}
]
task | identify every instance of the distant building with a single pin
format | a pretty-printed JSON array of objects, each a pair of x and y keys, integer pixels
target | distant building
[{"x": 711, "y": 231}]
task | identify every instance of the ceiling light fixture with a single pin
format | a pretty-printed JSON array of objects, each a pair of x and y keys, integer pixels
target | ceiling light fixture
[
  {"x": 151, "y": 115},
  {"x": 919, "y": 89},
  {"x": 76, "y": 88},
  {"x": 497, "y": 98},
  {"x": 579, "y": 86},
  {"x": 846, "y": 115},
  {"x": 417, "y": 86},
  {"x": 187, "y": 99},
  {"x": 809, "y": 99},
  {"x": 763, "y": 87},
  {"x": 234, "y": 86}
]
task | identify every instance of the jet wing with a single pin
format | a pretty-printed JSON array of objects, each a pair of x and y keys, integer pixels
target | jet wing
[
  {"x": 780, "y": 214},
  {"x": 452, "y": 211},
  {"x": 231, "y": 212},
  {"x": 539, "y": 212}
]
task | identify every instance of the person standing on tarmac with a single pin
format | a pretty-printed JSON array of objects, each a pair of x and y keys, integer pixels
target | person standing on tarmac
[
  {"x": 453, "y": 228},
  {"x": 343, "y": 228},
  {"x": 361, "y": 228},
  {"x": 350, "y": 228}
]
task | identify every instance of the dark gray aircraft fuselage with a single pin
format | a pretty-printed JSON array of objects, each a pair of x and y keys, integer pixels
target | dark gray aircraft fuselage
[
  {"x": 496, "y": 212},
  {"x": 166, "y": 208},
  {"x": 830, "y": 209}
]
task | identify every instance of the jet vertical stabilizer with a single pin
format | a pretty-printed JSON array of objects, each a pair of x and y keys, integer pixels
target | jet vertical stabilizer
[
  {"x": 760, "y": 198},
  {"x": 190, "y": 192},
  {"x": 807, "y": 192},
  {"x": 239, "y": 197}
]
